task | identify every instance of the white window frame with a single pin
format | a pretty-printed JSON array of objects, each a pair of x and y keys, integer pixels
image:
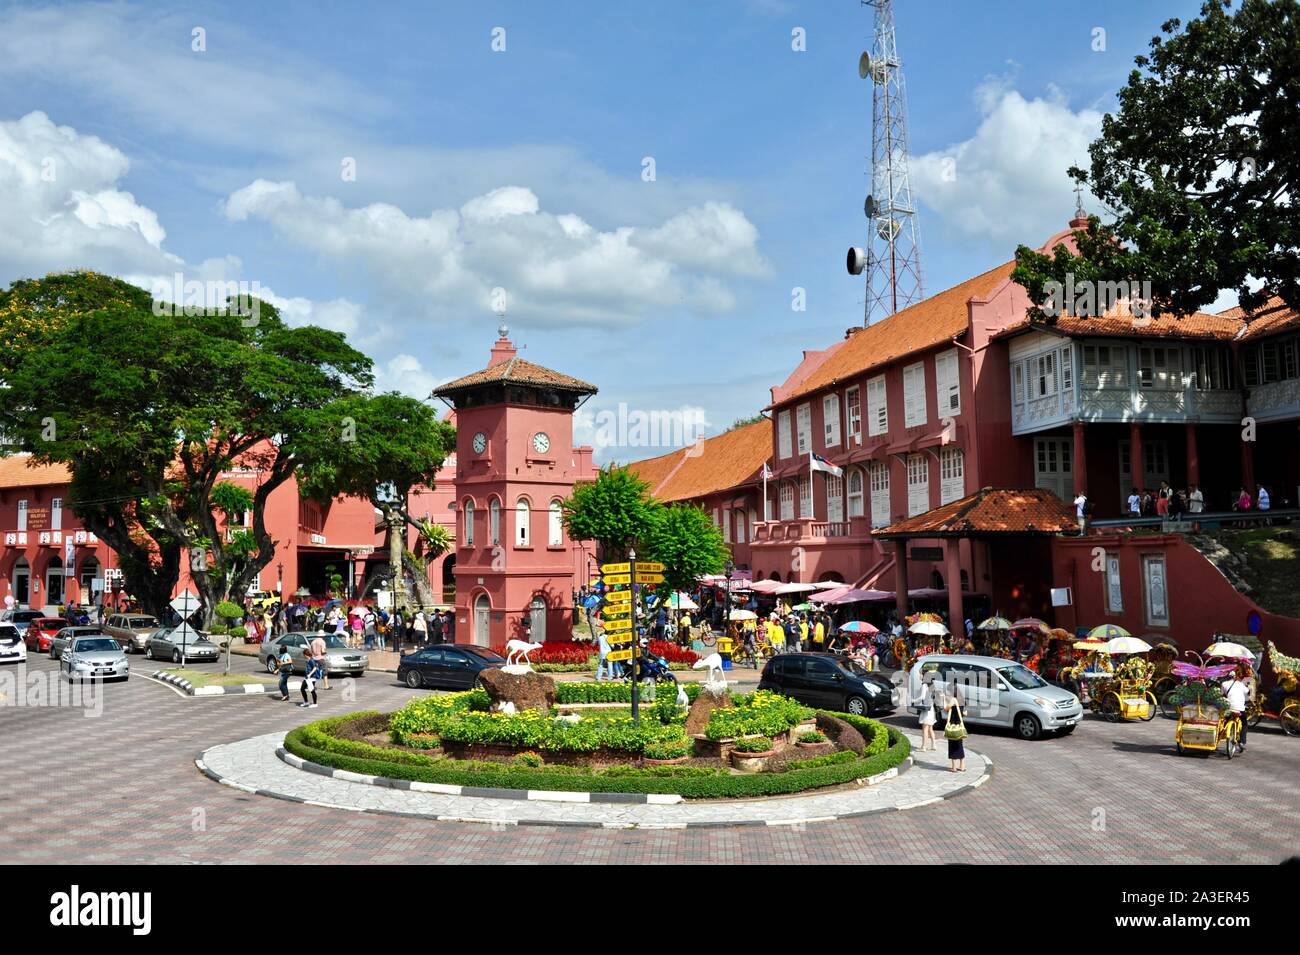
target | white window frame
[
  {"x": 947, "y": 384},
  {"x": 469, "y": 522},
  {"x": 1114, "y": 584},
  {"x": 877, "y": 406},
  {"x": 523, "y": 523},
  {"x": 1051, "y": 457},
  {"x": 739, "y": 517},
  {"x": 805, "y": 496},
  {"x": 786, "y": 493},
  {"x": 56, "y": 514},
  {"x": 856, "y": 499},
  {"x": 916, "y": 410},
  {"x": 22, "y": 515},
  {"x": 555, "y": 524},
  {"x": 494, "y": 522},
  {"x": 880, "y": 508},
  {"x": 834, "y": 498},
  {"x": 803, "y": 427},
  {"x": 1155, "y": 589},
  {"x": 1065, "y": 368},
  {"x": 783, "y": 447},
  {"x": 918, "y": 484},
  {"x": 831, "y": 420},
  {"x": 952, "y": 475},
  {"x": 1018, "y": 382},
  {"x": 1043, "y": 376},
  {"x": 852, "y": 413}
]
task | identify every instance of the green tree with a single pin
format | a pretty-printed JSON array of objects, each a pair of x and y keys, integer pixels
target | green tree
[
  {"x": 381, "y": 448},
  {"x": 615, "y": 510},
  {"x": 1199, "y": 167},
  {"x": 150, "y": 409},
  {"x": 689, "y": 545}
]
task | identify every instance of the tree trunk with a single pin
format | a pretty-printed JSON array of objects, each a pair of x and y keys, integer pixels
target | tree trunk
[
  {"x": 396, "y": 551},
  {"x": 423, "y": 590}
]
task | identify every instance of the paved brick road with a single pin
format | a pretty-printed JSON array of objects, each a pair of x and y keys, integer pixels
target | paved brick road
[{"x": 122, "y": 787}]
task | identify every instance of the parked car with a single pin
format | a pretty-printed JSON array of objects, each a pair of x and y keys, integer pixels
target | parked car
[
  {"x": 1000, "y": 692},
  {"x": 168, "y": 644},
  {"x": 41, "y": 630},
  {"x": 131, "y": 630},
  {"x": 94, "y": 657},
  {"x": 828, "y": 682},
  {"x": 20, "y": 618},
  {"x": 340, "y": 659},
  {"x": 12, "y": 647},
  {"x": 451, "y": 666},
  {"x": 63, "y": 638}
]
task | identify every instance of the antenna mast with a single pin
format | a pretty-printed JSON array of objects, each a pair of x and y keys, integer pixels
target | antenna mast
[{"x": 892, "y": 256}]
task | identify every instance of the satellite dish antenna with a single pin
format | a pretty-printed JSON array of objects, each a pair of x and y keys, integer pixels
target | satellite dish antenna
[
  {"x": 871, "y": 207},
  {"x": 857, "y": 261},
  {"x": 864, "y": 65}
]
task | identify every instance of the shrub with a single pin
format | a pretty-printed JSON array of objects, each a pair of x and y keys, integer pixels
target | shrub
[
  {"x": 813, "y": 737},
  {"x": 760, "y": 712},
  {"x": 668, "y": 749},
  {"x": 615, "y": 691},
  {"x": 759, "y": 744},
  {"x": 530, "y": 759}
]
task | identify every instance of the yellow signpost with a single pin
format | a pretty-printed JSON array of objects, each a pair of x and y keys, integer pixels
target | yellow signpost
[
  {"x": 616, "y": 568},
  {"x": 616, "y": 610},
  {"x": 618, "y": 623},
  {"x": 618, "y": 597},
  {"x": 649, "y": 567},
  {"x": 619, "y": 655},
  {"x": 649, "y": 578},
  {"x": 612, "y": 579}
]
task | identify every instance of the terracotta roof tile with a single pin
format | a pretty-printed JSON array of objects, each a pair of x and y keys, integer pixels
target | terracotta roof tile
[
  {"x": 17, "y": 470},
  {"x": 1274, "y": 317},
  {"x": 1120, "y": 323},
  {"x": 934, "y": 321},
  {"x": 517, "y": 371},
  {"x": 716, "y": 464},
  {"x": 991, "y": 511}
]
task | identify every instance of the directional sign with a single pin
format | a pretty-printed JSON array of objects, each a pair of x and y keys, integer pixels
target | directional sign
[
  {"x": 649, "y": 578},
  {"x": 618, "y": 597},
  {"x": 615, "y": 568},
  {"x": 617, "y": 610},
  {"x": 617, "y": 655},
  {"x": 185, "y": 603},
  {"x": 618, "y": 624},
  {"x": 650, "y": 567},
  {"x": 613, "y": 579}
]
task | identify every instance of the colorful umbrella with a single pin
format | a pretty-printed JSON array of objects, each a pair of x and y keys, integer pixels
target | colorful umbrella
[
  {"x": 1127, "y": 645},
  {"x": 1232, "y": 651},
  {"x": 1089, "y": 645},
  {"x": 995, "y": 623},
  {"x": 1031, "y": 623},
  {"x": 928, "y": 628},
  {"x": 742, "y": 615},
  {"x": 1107, "y": 631},
  {"x": 681, "y": 601},
  {"x": 858, "y": 626}
]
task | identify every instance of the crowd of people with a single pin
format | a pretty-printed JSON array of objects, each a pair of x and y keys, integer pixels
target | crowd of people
[{"x": 360, "y": 625}]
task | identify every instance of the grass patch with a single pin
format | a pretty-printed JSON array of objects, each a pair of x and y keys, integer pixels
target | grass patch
[
  {"x": 1272, "y": 565},
  {"x": 203, "y": 678}
]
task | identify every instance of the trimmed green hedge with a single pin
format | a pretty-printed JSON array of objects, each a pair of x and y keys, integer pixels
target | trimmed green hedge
[
  {"x": 887, "y": 748},
  {"x": 614, "y": 692},
  {"x": 761, "y": 712}
]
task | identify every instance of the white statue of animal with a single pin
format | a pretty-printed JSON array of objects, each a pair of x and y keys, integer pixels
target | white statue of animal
[
  {"x": 516, "y": 649},
  {"x": 682, "y": 698},
  {"x": 507, "y": 707},
  {"x": 714, "y": 664}
]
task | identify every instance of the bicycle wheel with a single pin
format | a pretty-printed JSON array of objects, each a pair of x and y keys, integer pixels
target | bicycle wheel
[
  {"x": 708, "y": 638},
  {"x": 1168, "y": 708},
  {"x": 1151, "y": 710},
  {"x": 1289, "y": 718},
  {"x": 1110, "y": 707}
]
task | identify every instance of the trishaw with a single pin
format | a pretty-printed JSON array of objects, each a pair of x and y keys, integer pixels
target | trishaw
[
  {"x": 1204, "y": 720},
  {"x": 1128, "y": 695},
  {"x": 1283, "y": 702}
]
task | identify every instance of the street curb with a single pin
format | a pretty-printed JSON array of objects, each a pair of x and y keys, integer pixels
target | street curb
[
  {"x": 189, "y": 689},
  {"x": 524, "y": 796}
]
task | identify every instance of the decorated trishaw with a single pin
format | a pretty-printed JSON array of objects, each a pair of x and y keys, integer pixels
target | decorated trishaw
[
  {"x": 925, "y": 634},
  {"x": 1283, "y": 701},
  {"x": 1118, "y": 689},
  {"x": 1058, "y": 656},
  {"x": 1204, "y": 718}
]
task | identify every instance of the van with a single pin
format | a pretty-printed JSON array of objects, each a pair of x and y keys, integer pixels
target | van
[{"x": 999, "y": 692}]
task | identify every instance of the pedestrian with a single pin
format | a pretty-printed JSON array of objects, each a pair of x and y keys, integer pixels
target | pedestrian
[
  {"x": 448, "y": 627},
  {"x": 1237, "y": 691},
  {"x": 309, "y": 684},
  {"x": 819, "y": 635},
  {"x": 955, "y": 731},
  {"x": 604, "y": 665},
  {"x": 1134, "y": 502},
  {"x": 1081, "y": 511},
  {"x": 428, "y": 629},
  {"x": 396, "y": 627},
  {"x": 1162, "y": 499},
  {"x": 284, "y": 667},
  {"x": 1263, "y": 502},
  {"x": 371, "y": 624},
  {"x": 1195, "y": 500},
  {"x": 316, "y": 651},
  {"x": 357, "y": 626},
  {"x": 925, "y": 712},
  {"x": 792, "y": 634},
  {"x": 1243, "y": 500}
]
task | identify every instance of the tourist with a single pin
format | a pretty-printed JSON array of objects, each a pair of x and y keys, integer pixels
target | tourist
[
  {"x": 604, "y": 665},
  {"x": 1177, "y": 505},
  {"x": 1162, "y": 499},
  {"x": 1243, "y": 500},
  {"x": 1237, "y": 691},
  {"x": 448, "y": 627},
  {"x": 819, "y": 635},
  {"x": 1148, "y": 504},
  {"x": 792, "y": 634},
  {"x": 925, "y": 712},
  {"x": 316, "y": 652},
  {"x": 357, "y": 622},
  {"x": 684, "y": 628},
  {"x": 955, "y": 732},
  {"x": 803, "y": 631},
  {"x": 284, "y": 667},
  {"x": 370, "y": 622},
  {"x": 309, "y": 683},
  {"x": 1195, "y": 500},
  {"x": 1081, "y": 511},
  {"x": 1134, "y": 502},
  {"x": 1262, "y": 501}
]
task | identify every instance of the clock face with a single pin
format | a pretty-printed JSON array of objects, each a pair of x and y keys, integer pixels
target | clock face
[
  {"x": 480, "y": 443},
  {"x": 541, "y": 442}
]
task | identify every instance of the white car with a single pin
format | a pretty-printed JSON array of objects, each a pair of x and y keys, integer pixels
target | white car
[{"x": 12, "y": 647}]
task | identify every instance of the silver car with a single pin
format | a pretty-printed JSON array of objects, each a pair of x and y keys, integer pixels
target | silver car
[
  {"x": 12, "y": 648},
  {"x": 999, "y": 692},
  {"x": 95, "y": 658},
  {"x": 63, "y": 639},
  {"x": 20, "y": 618},
  {"x": 340, "y": 659},
  {"x": 131, "y": 630},
  {"x": 168, "y": 644}
]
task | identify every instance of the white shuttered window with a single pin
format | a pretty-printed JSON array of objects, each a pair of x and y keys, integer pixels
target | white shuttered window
[
  {"x": 918, "y": 484},
  {"x": 914, "y": 407},
  {"x": 952, "y": 475},
  {"x": 803, "y": 419},
  {"x": 831, "y": 419},
  {"x": 879, "y": 493},
  {"x": 877, "y": 407},
  {"x": 783, "y": 434},
  {"x": 947, "y": 384}
]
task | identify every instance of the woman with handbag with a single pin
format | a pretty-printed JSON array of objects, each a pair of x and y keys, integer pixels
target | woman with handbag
[
  {"x": 955, "y": 733},
  {"x": 925, "y": 708}
]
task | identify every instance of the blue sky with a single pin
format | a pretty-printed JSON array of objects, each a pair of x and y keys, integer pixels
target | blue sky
[{"x": 523, "y": 169}]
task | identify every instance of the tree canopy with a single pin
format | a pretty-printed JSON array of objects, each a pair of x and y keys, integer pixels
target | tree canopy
[
  {"x": 687, "y": 543},
  {"x": 615, "y": 510},
  {"x": 1199, "y": 168}
]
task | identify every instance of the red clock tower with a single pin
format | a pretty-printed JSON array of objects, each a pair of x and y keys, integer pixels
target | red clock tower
[{"x": 515, "y": 463}]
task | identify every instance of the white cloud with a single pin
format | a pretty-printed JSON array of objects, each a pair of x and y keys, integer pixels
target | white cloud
[
  {"x": 1007, "y": 184},
  {"x": 405, "y": 373},
  {"x": 556, "y": 269}
]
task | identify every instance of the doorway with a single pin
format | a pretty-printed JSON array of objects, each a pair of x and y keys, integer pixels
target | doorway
[
  {"x": 54, "y": 582},
  {"x": 537, "y": 618},
  {"x": 22, "y": 582},
  {"x": 482, "y": 610}
]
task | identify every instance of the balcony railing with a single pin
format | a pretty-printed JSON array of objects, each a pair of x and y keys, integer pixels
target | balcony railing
[
  {"x": 806, "y": 529},
  {"x": 831, "y": 529}
]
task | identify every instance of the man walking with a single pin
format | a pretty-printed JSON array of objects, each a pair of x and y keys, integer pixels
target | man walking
[
  {"x": 316, "y": 653},
  {"x": 369, "y": 622}
]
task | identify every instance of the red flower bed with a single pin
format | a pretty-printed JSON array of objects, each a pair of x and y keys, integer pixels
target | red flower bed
[
  {"x": 557, "y": 651},
  {"x": 672, "y": 652}
]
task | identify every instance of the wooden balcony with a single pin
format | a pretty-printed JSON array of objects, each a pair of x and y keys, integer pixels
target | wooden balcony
[{"x": 810, "y": 531}]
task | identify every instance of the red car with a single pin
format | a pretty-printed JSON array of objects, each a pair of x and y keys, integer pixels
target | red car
[{"x": 41, "y": 631}]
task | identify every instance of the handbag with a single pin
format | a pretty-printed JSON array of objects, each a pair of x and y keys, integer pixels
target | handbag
[{"x": 956, "y": 731}]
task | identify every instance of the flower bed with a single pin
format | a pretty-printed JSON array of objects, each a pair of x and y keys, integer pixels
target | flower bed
[
  {"x": 555, "y": 651},
  {"x": 321, "y": 742},
  {"x": 762, "y": 712}
]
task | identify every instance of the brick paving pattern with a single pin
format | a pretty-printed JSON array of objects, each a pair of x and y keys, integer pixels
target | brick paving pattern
[{"x": 123, "y": 787}]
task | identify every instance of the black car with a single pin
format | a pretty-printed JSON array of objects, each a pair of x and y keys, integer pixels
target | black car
[
  {"x": 828, "y": 682},
  {"x": 447, "y": 666}
]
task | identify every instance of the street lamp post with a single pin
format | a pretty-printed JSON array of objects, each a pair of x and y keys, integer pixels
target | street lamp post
[{"x": 726, "y": 606}]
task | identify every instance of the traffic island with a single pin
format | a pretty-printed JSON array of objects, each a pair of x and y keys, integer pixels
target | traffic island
[{"x": 202, "y": 683}]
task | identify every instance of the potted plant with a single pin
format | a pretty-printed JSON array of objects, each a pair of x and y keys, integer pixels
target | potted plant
[
  {"x": 667, "y": 752},
  {"x": 812, "y": 740},
  {"x": 751, "y": 753}
]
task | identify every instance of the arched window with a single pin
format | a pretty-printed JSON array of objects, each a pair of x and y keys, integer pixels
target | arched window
[
  {"x": 523, "y": 518},
  {"x": 855, "y": 493},
  {"x": 469, "y": 522},
  {"x": 494, "y": 522},
  {"x": 555, "y": 525}
]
